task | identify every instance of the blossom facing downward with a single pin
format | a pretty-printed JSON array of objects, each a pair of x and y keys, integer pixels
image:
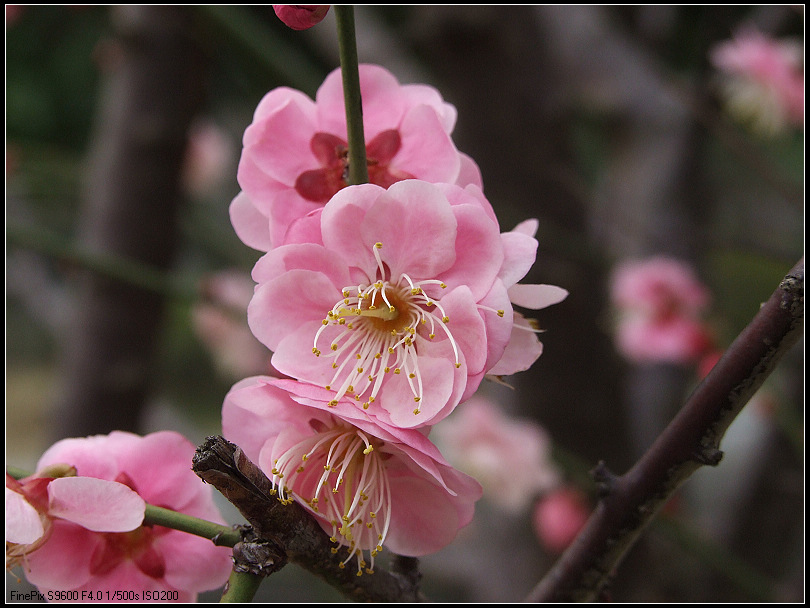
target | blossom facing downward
[
  {"x": 660, "y": 304},
  {"x": 400, "y": 308},
  {"x": 294, "y": 156},
  {"x": 368, "y": 484},
  {"x": 484, "y": 442},
  {"x": 79, "y": 553},
  {"x": 301, "y": 17},
  {"x": 762, "y": 79}
]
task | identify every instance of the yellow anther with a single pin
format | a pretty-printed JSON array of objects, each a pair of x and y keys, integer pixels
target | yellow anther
[
  {"x": 417, "y": 399},
  {"x": 325, "y": 322},
  {"x": 378, "y": 245},
  {"x": 500, "y": 313},
  {"x": 359, "y": 370},
  {"x": 411, "y": 375},
  {"x": 445, "y": 319},
  {"x": 397, "y": 370},
  {"x": 390, "y": 350},
  {"x": 366, "y": 405},
  {"x": 316, "y": 352},
  {"x": 368, "y": 451},
  {"x": 431, "y": 336},
  {"x": 443, "y": 286},
  {"x": 416, "y": 411},
  {"x": 334, "y": 347},
  {"x": 458, "y": 365},
  {"x": 332, "y": 403},
  {"x": 328, "y": 387}
]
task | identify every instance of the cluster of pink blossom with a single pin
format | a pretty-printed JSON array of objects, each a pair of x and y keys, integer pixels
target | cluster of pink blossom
[
  {"x": 385, "y": 305},
  {"x": 77, "y": 524},
  {"x": 762, "y": 79},
  {"x": 660, "y": 305}
]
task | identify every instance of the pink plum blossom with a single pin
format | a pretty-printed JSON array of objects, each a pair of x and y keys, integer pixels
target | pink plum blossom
[
  {"x": 559, "y": 516},
  {"x": 660, "y": 304},
  {"x": 510, "y": 457},
  {"x": 394, "y": 298},
  {"x": 220, "y": 321},
  {"x": 83, "y": 553},
  {"x": 301, "y": 17},
  {"x": 762, "y": 79},
  {"x": 395, "y": 488},
  {"x": 294, "y": 157}
]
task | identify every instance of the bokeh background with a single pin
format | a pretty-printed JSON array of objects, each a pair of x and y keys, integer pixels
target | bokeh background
[{"x": 123, "y": 132}]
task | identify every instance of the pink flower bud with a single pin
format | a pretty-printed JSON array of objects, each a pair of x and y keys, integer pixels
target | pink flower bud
[
  {"x": 558, "y": 518},
  {"x": 301, "y": 17}
]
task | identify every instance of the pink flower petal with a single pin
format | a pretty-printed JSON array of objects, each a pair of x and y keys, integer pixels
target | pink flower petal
[
  {"x": 23, "y": 523},
  {"x": 536, "y": 296},
  {"x": 298, "y": 297},
  {"x": 292, "y": 125},
  {"x": 420, "y": 527},
  {"x": 427, "y": 150},
  {"x": 96, "y": 504},
  {"x": 251, "y": 227},
  {"x": 479, "y": 253},
  {"x": 49, "y": 566},
  {"x": 520, "y": 252},
  {"x": 416, "y": 226},
  {"x": 193, "y": 563},
  {"x": 522, "y": 351}
]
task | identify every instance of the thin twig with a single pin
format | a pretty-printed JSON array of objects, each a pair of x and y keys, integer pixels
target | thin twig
[{"x": 691, "y": 440}]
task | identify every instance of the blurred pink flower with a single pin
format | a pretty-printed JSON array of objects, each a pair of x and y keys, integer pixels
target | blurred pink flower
[
  {"x": 402, "y": 303},
  {"x": 209, "y": 158},
  {"x": 78, "y": 554},
  {"x": 481, "y": 440},
  {"x": 395, "y": 488},
  {"x": 762, "y": 79},
  {"x": 295, "y": 151},
  {"x": 660, "y": 303},
  {"x": 301, "y": 17},
  {"x": 220, "y": 321},
  {"x": 559, "y": 516}
]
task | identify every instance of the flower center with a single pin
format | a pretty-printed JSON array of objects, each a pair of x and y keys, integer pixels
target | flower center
[
  {"x": 319, "y": 185},
  {"x": 379, "y": 325},
  {"x": 339, "y": 474},
  {"x": 137, "y": 546}
]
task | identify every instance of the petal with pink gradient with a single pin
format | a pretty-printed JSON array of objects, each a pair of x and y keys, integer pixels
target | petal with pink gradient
[
  {"x": 522, "y": 351},
  {"x": 95, "y": 504},
  {"x": 536, "y": 296},
  {"x": 23, "y": 524},
  {"x": 250, "y": 225}
]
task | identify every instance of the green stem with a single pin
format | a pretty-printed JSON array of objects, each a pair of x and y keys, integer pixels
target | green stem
[
  {"x": 241, "y": 587},
  {"x": 347, "y": 43},
  {"x": 222, "y": 536}
]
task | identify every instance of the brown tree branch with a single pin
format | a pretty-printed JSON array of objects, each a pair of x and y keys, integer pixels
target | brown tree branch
[
  {"x": 690, "y": 441},
  {"x": 293, "y": 531}
]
